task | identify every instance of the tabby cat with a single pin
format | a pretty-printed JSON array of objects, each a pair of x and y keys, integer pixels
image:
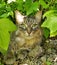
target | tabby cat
[{"x": 26, "y": 37}]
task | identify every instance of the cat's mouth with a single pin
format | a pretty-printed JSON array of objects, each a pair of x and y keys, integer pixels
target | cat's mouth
[{"x": 28, "y": 37}]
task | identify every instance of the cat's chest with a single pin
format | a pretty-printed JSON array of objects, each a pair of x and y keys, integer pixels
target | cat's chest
[
  {"x": 28, "y": 41},
  {"x": 25, "y": 42}
]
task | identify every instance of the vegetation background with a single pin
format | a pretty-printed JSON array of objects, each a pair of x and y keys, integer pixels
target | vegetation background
[{"x": 26, "y": 7}]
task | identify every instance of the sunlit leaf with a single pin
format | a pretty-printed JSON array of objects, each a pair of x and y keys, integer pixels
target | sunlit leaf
[
  {"x": 51, "y": 22},
  {"x": 6, "y": 26},
  {"x": 4, "y": 39}
]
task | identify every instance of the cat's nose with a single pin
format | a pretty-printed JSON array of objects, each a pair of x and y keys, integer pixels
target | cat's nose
[{"x": 29, "y": 31}]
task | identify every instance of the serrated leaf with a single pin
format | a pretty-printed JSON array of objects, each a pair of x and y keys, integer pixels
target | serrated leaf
[{"x": 51, "y": 23}]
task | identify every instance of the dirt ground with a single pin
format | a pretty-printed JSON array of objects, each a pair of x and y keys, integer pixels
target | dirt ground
[{"x": 45, "y": 54}]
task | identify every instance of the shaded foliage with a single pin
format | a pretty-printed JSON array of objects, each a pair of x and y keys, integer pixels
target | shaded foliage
[{"x": 27, "y": 7}]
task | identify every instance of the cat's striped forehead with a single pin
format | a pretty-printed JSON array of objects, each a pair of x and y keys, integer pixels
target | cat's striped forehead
[{"x": 30, "y": 20}]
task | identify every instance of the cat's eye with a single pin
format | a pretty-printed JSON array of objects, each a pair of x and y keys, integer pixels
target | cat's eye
[
  {"x": 23, "y": 26},
  {"x": 34, "y": 26}
]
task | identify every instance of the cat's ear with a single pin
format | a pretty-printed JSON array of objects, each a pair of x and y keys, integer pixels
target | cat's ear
[
  {"x": 38, "y": 16},
  {"x": 19, "y": 17}
]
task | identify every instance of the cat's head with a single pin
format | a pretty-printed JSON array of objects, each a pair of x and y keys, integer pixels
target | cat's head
[
  {"x": 28, "y": 25},
  {"x": 20, "y": 18}
]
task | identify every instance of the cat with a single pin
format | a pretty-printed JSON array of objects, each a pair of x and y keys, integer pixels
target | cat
[
  {"x": 29, "y": 30},
  {"x": 27, "y": 36}
]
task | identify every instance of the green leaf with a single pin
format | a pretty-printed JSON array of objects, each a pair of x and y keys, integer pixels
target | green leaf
[
  {"x": 19, "y": 1},
  {"x": 13, "y": 6},
  {"x": 46, "y": 32},
  {"x": 48, "y": 62},
  {"x": 44, "y": 5},
  {"x": 46, "y": 14},
  {"x": 31, "y": 8},
  {"x": 8, "y": 8},
  {"x": 4, "y": 39},
  {"x": 51, "y": 22},
  {"x": 2, "y": 8},
  {"x": 35, "y": 6},
  {"x": 27, "y": 4},
  {"x": 5, "y": 15},
  {"x": 1, "y": 63},
  {"x": 3, "y": 51},
  {"x": 20, "y": 4},
  {"x": 53, "y": 34},
  {"x": 2, "y": 4},
  {"x": 6, "y": 26}
]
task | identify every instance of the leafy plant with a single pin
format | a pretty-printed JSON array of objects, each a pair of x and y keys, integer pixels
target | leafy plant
[
  {"x": 6, "y": 26},
  {"x": 43, "y": 3},
  {"x": 27, "y": 7},
  {"x": 30, "y": 8},
  {"x": 51, "y": 22}
]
